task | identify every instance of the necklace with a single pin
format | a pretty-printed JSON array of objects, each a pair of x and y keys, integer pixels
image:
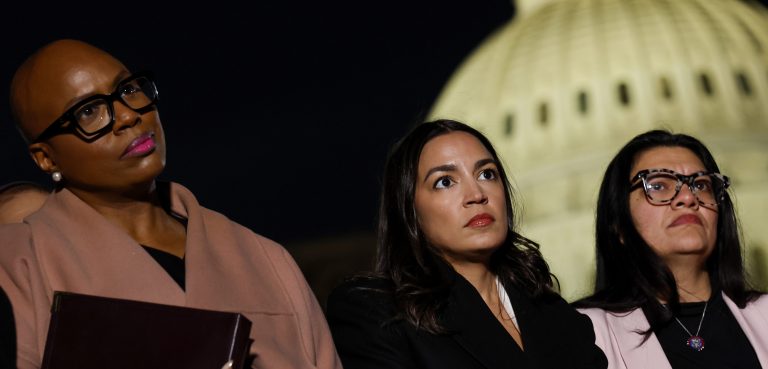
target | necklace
[{"x": 694, "y": 341}]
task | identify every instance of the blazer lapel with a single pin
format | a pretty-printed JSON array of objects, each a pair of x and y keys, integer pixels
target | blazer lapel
[
  {"x": 754, "y": 323},
  {"x": 636, "y": 353},
  {"x": 476, "y": 329}
]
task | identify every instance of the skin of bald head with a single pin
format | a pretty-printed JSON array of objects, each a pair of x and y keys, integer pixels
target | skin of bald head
[
  {"x": 58, "y": 76},
  {"x": 51, "y": 63},
  {"x": 18, "y": 200}
]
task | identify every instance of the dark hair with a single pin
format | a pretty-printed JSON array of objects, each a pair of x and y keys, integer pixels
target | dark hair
[
  {"x": 405, "y": 258},
  {"x": 629, "y": 273}
]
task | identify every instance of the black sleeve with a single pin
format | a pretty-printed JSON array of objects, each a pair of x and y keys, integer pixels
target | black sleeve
[
  {"x": 586, "y": 354},
  {"x": 358, "y": 314},
  {"x": 7, "y": 334},
  {"x": 559, "y": 336},
  {"x": 594, "y": 358}
]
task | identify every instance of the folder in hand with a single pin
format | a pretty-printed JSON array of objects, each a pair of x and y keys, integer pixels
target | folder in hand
[{"x": 107, "y": 333}]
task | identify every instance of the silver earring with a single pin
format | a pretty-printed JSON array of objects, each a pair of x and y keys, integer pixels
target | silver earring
[{"x": 56, "y": 176}]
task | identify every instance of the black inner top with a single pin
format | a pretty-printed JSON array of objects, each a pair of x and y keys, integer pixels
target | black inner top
[
  {"x": 172, "y": 264},
  {"x": 725, "y": 344}
]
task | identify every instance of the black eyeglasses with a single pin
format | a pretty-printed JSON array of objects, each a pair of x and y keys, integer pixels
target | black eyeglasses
[
  {"x": 661, "y": 186},
  {"x": 93, "y": 117}
]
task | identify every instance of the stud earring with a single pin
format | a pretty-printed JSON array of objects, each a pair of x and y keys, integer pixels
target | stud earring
[{"x": 56, "y": 176}]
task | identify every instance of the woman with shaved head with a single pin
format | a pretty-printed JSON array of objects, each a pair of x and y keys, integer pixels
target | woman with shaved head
[{"x": 111, "y": 229}]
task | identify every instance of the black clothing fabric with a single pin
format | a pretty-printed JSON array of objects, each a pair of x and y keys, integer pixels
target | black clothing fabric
[
  {"x": 7, "y": 334},
  {"x": 725, "y": 344},
  {"x": 554, "y": 334},
  {"x": 172, "y": 264}
]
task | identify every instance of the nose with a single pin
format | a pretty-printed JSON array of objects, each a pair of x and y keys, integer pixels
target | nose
[
  {"x": 686, "y": 198},
  {"x": 125, "y": 117},
  {"x": 474, "y": 194}
]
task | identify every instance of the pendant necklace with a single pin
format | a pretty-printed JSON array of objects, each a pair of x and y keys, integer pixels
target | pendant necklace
[{"x": 694, "y": 341}]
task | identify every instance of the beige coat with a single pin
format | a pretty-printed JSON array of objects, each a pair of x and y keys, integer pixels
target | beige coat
[
  {"x": 616, "y": 334},
  {"x": 68, "y": 246}
]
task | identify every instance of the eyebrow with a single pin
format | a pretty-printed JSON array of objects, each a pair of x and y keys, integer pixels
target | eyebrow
[
  {"x": 451, "y": 167},
  {"x": 482, "y": 162},
  {"x": 440, "y": 168}
]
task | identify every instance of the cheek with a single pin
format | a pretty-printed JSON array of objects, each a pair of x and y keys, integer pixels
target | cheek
[
  {"x": 712, "y": 229},
  {"x": 432, "y": 217},
  {"x": 72, "y": 156}
]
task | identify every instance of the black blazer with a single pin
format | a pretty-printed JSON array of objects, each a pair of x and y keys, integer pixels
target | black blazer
[{"x": 554, "y": 334}]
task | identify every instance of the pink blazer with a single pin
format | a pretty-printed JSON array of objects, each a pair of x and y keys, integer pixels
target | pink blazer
[
  {"x": 68, "y": 246},
  {"x": 615, "y": 333}
]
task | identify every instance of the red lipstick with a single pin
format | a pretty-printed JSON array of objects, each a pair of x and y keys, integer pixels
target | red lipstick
[
  {"x": 140, "y": 146},
  {"x": 480, "y": 220},
  {"x": 686, "y": 219}
]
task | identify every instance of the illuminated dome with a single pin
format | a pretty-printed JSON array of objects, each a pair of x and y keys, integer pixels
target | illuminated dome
[{"x": 561, "y": 88}]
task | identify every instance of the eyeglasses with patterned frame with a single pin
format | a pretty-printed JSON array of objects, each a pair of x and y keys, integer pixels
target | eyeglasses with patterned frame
[
  {"x": 94, "y": 117},
  {"x": 661, "y": 186}
]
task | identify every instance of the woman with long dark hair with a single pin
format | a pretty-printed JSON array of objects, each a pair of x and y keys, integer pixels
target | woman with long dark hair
[
  {"x": 671, "y": 290},
  {"x": 455, "y": 285}
]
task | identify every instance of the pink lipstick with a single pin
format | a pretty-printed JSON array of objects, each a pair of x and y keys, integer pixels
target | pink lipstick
[
  {"x": 480, "y": 220},
  {"x": 140, "y": 146},
  {"x": 686, "y": 219}
]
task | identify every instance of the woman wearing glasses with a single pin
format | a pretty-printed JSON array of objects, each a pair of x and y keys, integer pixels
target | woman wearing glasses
[
  {"x": 671, "y": 290},
  {"x": 455, "y": 285},
  {"x": 111, "y": 229}
]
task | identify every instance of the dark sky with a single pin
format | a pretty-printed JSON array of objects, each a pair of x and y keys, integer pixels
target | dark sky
[{"x": 278, "y": 115}]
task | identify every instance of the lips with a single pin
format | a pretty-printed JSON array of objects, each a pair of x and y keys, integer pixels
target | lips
[
  {"x": 480, "y": 220},
  {"x": 140, "y": 146},
  {"x": 686, "y": 219}
]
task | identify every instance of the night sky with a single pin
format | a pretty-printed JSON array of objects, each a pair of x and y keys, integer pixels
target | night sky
[{"x": 278, "y": 115}]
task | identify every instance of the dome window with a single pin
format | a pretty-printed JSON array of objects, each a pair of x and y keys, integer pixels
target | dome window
[
  {"x": 583, "y": 102},
  {"x": 543, "y": 114},
  {"x": 706, "y": 85},
  {"x": 509, "y": 121},
  {"x": 743, "y": 82},
  {"x": 623, "y": 91},
  {"x": 666, "y": 88}
]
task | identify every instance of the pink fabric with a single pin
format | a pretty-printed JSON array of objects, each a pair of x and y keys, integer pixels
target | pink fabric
[
  {"x": 616, "y": 335},
  {"x": 68, "y": 246}
]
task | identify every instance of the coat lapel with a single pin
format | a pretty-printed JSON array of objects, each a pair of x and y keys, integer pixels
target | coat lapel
[
  {"x": 476, "y": 329},
  {"x": 85, "y": 253},
  {"x": 636, "y": 353}
]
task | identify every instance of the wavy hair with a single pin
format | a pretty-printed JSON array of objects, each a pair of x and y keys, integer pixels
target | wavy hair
[
  {"x": 629, "y": 273},
  {"x": 405, "y": 258}
]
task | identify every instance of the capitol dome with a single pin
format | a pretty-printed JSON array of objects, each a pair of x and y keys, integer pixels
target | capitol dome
[{"x": 563, "y": 86}]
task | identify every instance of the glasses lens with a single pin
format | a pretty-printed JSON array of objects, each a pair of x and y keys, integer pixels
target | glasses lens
[
  {"x": 93, "y": 116},
  {"x": 708, "y": 188},
  {"x": 660, "y": 187},
  {"x": 138, "y": 93}
]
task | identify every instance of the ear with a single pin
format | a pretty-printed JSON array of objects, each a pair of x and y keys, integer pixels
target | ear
[{"x": 42, "y": 155}]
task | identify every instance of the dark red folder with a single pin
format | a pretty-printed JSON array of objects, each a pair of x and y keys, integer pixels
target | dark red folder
[{"x": 106, "y": 333}]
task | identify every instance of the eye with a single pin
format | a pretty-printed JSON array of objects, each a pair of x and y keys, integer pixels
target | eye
[
  {"x": 89, "y": 113},
  {"x": 661, "y": 183},
  {"x": 443, "y": 182},
  {"x": 129, "y": 89},
  {"x": 703, "y": 185},
  {"x": 656, "y": 186},
  {"x": 487, "y": 175}
]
